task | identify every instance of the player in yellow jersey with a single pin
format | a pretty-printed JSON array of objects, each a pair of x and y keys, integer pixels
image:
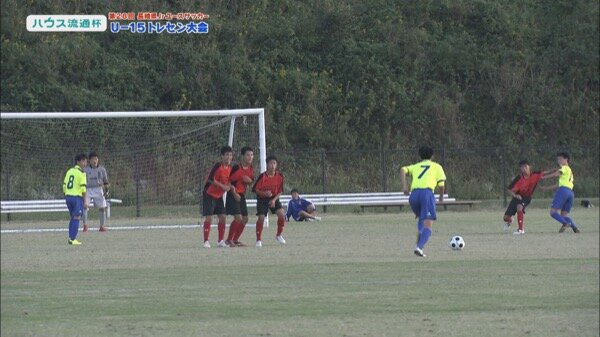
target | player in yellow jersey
[
  {"x": 425, "y": 175},
  {"x": 74, "y": 187},
  {"x": 563, "y": 198}
]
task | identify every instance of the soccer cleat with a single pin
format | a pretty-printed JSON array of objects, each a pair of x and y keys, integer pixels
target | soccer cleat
[
  {"x": 419, "y": 252},
  {"x": 229, "y": 243},
  {"x": 258, "y": 243},
  {"x": 74, "y": 242},
  {"x": 206, "y": 244},
  {"x": 563, "y": 228},
  {"x": 318, "y": 218},
  {"x": 239, "y": 244},
  {"x": 506, "y": 226},
  {"x": 280, "y": 239},
  {"x": 519, "y": 232},
  {"x": 575, "y": 229},
  {"x": 102, "y": 229},
  {"x": 222, "y": 244}
]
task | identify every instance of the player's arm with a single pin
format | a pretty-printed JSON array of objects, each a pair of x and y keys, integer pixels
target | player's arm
[
  {"x": 257, "y": 188},
  {"x": 105, "y": 183},
  {"x": 83, "y": 186},
  {"x": 550, "y": 173},
  {"x": 403, "y": 174},
  {"x": 440, "y": 181},
  {"x": 280, "y": 189},
  {"x": 211, "y": 178}
]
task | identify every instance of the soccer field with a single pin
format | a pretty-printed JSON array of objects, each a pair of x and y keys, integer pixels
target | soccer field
[{"x": 348, "y": 275}]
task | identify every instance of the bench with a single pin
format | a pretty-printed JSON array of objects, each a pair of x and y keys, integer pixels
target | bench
[
  {"x": 54, "y": 205},
  {"x": 365, "y": 200}
]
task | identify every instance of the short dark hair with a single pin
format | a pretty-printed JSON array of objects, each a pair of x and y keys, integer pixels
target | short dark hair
[
  {"x": 271, "y": 157},
  {"x": 226, "y": 149},
  {"x": 425, "y": 152},
  {"x": 92, "y": 154},
  {"x": 294, "y": 190},
  {"x": 246, "y": 149},
  {"x": 79, "y": 157},
  {"x": 523, "y": 162},
  {"x": 564, "y": 154}
]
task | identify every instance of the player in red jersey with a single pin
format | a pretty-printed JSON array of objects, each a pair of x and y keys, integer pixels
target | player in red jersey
[
  {"x": 242, "y": 175},
  {"x": 268, "y": 187},
  {"x": 216, "y": 185},
  {"x": 521, "y": 189}
]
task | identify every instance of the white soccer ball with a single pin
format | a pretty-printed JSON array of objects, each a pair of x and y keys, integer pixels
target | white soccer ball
[{"x": 457, "y": 242}]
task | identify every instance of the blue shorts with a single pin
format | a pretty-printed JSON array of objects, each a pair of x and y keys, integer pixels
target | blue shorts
[
  {"x": 75, "y": 205},
  {"x": 422, "y": 203},
  {"x": 563, "y": 199}
]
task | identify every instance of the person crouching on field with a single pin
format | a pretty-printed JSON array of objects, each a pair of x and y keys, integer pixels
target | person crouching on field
[
  {"x": 521, "y": 189},
  {"x": 217, "y": 184},
  {"x": 268, "y": 187},
  {"x": 301, "y": 209}
]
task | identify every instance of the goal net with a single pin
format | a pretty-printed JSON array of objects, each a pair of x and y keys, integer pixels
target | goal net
[{"x": 153, "y": 159}]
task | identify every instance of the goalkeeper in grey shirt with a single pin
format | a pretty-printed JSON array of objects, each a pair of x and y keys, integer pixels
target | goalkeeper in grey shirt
[{"x": 97, "y": 190}]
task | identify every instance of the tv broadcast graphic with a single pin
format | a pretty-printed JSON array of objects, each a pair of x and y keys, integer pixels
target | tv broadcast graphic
[{"x": 299, "y": 168}]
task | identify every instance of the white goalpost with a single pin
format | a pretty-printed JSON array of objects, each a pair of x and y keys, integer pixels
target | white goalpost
[{"x": 153, "y": 158}]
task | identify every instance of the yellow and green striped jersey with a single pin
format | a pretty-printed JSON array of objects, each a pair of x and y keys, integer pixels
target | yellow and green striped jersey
[
  {"x": 75, "y": 182},
  {"x": 566, "y": 177},
  {"x": 425, "y": 174}
]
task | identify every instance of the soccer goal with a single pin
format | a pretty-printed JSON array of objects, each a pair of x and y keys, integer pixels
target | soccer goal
[{"x": 153, "y": 158}]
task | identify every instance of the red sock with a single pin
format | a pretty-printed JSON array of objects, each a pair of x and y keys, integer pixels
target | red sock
[
  {"x": 221, "y": 228},
  {"x": 520, "y": 219},
  {"x": 238, "y": 231},
  {"x": 508, "y": 220},
  {"x": 206, "y": 230},
  {"x": 259, "y": 229},
  {"x": 280, "y": 224},
  {"x": 232, "y": 230}
]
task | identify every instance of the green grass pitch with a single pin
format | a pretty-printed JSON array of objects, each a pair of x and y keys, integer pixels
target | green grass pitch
[{"x": 348, "y": 275}]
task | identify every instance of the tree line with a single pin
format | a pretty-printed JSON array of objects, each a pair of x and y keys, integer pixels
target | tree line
[{"x": 376, "y": 74}]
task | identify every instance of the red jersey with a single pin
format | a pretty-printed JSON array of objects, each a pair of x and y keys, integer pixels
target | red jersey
[
  {"x": 237, "y": 172},
  {"x": 525, "y": 186},
  {"x": 267, "y": 183},
  {"x": 218, "y": 173}
]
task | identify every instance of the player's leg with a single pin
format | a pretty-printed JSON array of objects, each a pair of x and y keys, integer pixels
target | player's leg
[
  {"x": 85, "y": 215},
  {"x": 75, "y": 206},
  {"x": 232, "y": 208},
  {"x": 243, "y": 222},
  {"x": 280, "y": 223},
  {"x": 100, "y": 201},
  {"x": 428, "y": 216},
  {"x": 415, "y": 205},
  {"x": 240, "y": 230},
  {"x": 565, "y": 213},
  {"x": 560, "y": 198},
  {"x": 511, "y": 210},
  {"x": 520, "y": 219},
  {"x": 262, "y": 207},
  {"x": 208, "y": 205},
  {"x": 221, "y": 229}
]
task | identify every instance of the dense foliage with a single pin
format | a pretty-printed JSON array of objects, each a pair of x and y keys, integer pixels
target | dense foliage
[{"x": 331, "y": 74}]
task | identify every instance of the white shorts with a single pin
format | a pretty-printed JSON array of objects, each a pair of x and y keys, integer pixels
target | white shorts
[{"x": 96, "y": 194}]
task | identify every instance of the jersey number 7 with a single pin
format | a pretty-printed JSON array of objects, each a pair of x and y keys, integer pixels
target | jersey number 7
[{"x": 425, "y": 168}]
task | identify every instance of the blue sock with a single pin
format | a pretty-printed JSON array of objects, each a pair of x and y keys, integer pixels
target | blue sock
[
  {"x": 420, "y": 226},
  {"x": 570, "y": 221},
  {"x": 559, "y": 218},
  {"x": 424, "y": 237},
  {"x": 73, "y": 228}
]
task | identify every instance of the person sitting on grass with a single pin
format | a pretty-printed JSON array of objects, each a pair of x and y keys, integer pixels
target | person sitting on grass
[{"x": 301, "y": 209}]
